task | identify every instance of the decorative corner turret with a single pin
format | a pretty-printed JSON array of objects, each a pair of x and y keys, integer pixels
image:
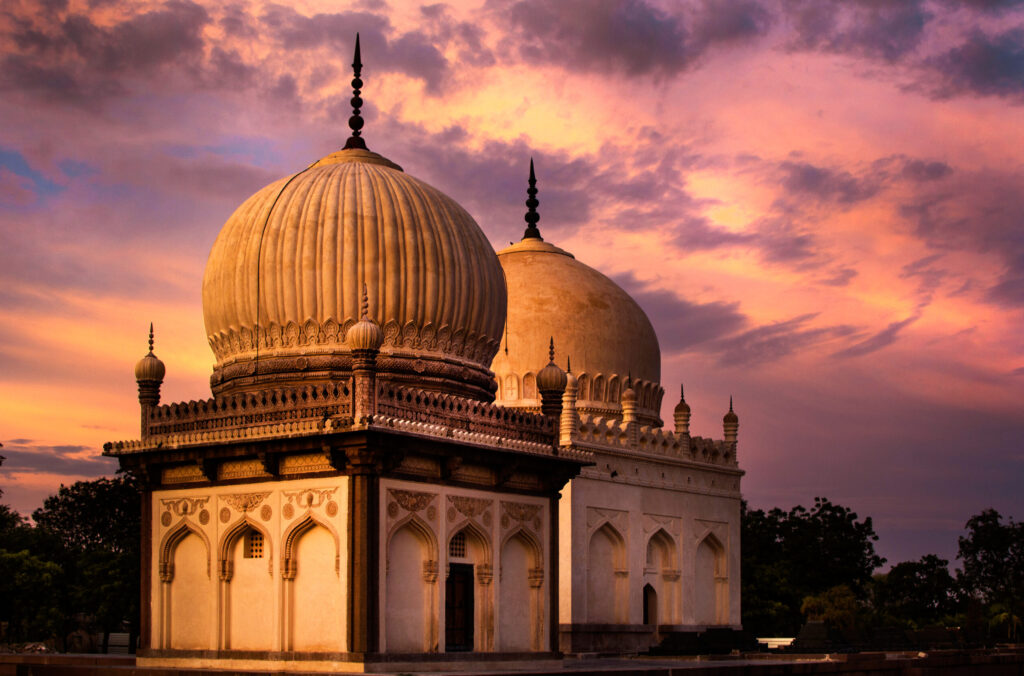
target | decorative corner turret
[
  {"x": 628, "y": 401},
  {"x": 681, "y": 415},
  {"x": 551, "y": 383},
  {"x": 569, "y": 424},
  {"x": 364, "y": 338},
  {"x": 731, "y": 425},
  {"x": 149, "y": 374}
]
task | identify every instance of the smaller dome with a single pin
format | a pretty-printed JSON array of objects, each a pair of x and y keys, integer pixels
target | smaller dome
[
  {"x": 366, "y": 333},
  {"x": 150, "y": 368},
  {"x": 731, "y": 416},
  {"x": 682, "y": 406},
  {"x": 629, "y": 394},
  {"x": 551, "y": 378}
]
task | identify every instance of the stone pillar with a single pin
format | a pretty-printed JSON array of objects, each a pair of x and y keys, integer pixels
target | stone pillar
[
  {"x": 569, "y": 424},
  {"x": 364, "y": 386},
  {"x": 363, "y": 569},
  {"x": 629, "y": 414}
]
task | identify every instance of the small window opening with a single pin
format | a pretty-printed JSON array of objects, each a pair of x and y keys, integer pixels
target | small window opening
[
  {"x": 457, "y": 547},
  {"x": 254, "y": 545}
]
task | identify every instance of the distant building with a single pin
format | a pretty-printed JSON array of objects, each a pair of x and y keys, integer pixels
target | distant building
[{"x": 380, "y": 478}]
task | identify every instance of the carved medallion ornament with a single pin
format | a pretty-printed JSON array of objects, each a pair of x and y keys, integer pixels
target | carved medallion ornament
[
  {"x": 245, "y": 502},
  {"x": 309, "y": 497},
  {"x": 184, "y": 506},
  {"x": 266, "y": 512},
  {"x": 412, "y": 501},
  {"x": 204, "y": 516},
  {"x": 470, "y": 507},
  {"x": 225, "y": 515},
  {"x": 165, "y": 519},
  {"x": 332, "y": 509},
  {"x": 288, "y": 511}
]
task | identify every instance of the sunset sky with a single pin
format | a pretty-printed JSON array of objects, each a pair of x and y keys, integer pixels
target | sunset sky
[{"x": 819, "y": 204}]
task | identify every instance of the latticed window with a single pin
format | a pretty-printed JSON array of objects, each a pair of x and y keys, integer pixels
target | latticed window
[
  {"x": 457, "y": 547},
  {"x": 254, "y": 545}
]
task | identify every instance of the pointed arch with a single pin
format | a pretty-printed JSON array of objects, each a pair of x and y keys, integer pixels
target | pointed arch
[
  {"x": 475, "y": 532},
  {"x": 529, "y": 386},
  {"x": 607, "y": 571},
  {"x": 304, "y": 523},
  {"x": 667, "y": 546},
  {"x": 531, "y": 542},
  {"x": 521, "y": 578},
  {"x": 711, "y": 580},
  {"x": 583, "y": 387},
  {"x": 171, "y": 539},
  {"x": 238, "y": 529},
  {"x": 418, "y": 527}
]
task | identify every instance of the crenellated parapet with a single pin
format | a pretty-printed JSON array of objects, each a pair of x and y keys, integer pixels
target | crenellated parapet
[{"x": 615, "y": 434}]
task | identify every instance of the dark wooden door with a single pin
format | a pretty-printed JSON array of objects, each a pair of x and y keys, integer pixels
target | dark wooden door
[{"x": 458, "y": 608}]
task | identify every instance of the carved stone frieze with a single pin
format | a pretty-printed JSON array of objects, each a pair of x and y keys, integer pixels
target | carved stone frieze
[
  {"x": 412, "y": 501},
  {"x": 520, "y": 512},
  {"x": 468, "y": 506},
  {"x": 307, "y": 462},
  {"x": 184, "y": 506},
  {"x": 245, "y": 502},
  {"x": 309, "y": 497}
]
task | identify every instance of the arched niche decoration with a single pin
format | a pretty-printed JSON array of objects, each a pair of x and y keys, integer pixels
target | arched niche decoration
[
  {"x": 614, "y": 394},
  {"x": 415, "y": 631},
  {"x": 598, "y": 387},
  {"x": 420, "y": 529},
  {"x": 510, "y": 389},
  {"x": 604, "y": 575},
  {"x": 235, "y": 531},
  {"x": 517, "y": 629},
  {"x": 583, "y": 387},
  {"x": 529, "y": 386},
  {"x": 711, "y": 596},
  {"x": 171, "y": 539},
  {"x": 667, "y": 545},
  {"x": 302, "y": 524}
]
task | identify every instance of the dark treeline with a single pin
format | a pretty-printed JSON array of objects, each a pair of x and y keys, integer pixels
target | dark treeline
[
  {"x": 817, "y": 565},
  {"x": 75, "y": 572}
]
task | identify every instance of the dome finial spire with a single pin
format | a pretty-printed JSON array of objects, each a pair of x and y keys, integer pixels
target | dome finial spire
[
  {"x": 531, "y": 204},
  {"x": 364, "y": 306},
  {"x": 355, "y": 122},
  {"x": 151, "y": 337},
  {"x": 551, "y": 350}
]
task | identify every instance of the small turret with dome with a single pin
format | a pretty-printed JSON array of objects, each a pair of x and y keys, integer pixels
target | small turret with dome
[
  {"x": 149, "y": 374},
  {"x": 731, "y": 424},
  {"x": 282, "y": 288},
  {"x": 591, "y": 317}
]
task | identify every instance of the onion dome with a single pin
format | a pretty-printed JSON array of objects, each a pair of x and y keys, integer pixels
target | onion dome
[
  {"x": 150, "y": 369},
  {"x": 551, "y": 378},
  {"x": 681, "y": 414},
  {"x": 731, "y": 416},
  {"x": 550, "y": 293},
  {"x": 282, "y": 288}
]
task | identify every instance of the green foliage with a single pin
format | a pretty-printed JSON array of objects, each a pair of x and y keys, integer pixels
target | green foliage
[
  {"x": 789, "y": 556},
  {"x": 915, "y": 594},
  {"x": 993, "y": 568},
  {"x": 838, "y": 607},
  {"x": 89, "y": 515},
  {"x": 29, "y": 589}
]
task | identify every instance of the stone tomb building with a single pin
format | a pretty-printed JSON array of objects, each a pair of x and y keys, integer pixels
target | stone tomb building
[{"x": 380, "y": 479}]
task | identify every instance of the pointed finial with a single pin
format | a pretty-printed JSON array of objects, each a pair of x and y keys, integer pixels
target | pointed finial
[
  {"x": 551, "y": 350},
  {"x": 730, "y": 404},
  {"x": 682, "y": 395},
  {"x": 531, "y": 204},
  {"x": 151, "y": 337},
  {"x": 365, "y": 305},
  {"x": 355, "y": 122},
  {"x": 568, "y": 364}
]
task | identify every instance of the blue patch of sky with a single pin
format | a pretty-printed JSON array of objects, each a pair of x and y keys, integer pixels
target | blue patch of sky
[
  {"x": 77, "y": 169},
  {"x": 15, "y": 162},
  {"x": 253, "y": 150}
]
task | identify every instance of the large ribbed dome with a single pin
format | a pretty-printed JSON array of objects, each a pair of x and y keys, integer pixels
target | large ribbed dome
[
  {"x": 284, "y": 279},
  {"x": 593, "y": 321}
]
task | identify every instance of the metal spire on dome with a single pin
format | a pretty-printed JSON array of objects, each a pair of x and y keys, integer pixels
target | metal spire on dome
[
  {"x": 730, "y": 404},
  {"x": 355, "y": 122},
  {"x": 151, "y": 337},
  {"x": 531, "y": 203},
  {"x": 364, "y": 306},
  {"x": 682, "y": 394},
  {"x": 568, "y": 364},
  {"x": 551, "y": 350}
]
